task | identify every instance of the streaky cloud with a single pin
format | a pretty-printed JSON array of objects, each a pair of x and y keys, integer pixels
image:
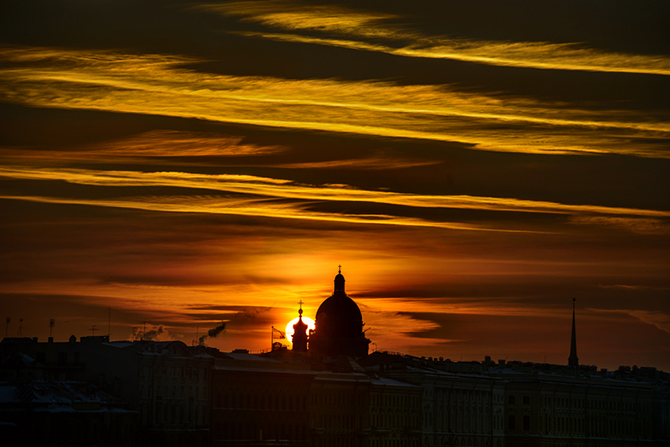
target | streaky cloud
[
  {"x": 173, "y": 143},
  {"x": 659, "y": 319},
  {"x": 157, "y": 86},
  {"x": 286, "y": 189},
  {"x": 254, "y": 209},
  {"x": 360, "y": 163},
  {"x": 353, "y": 24}
]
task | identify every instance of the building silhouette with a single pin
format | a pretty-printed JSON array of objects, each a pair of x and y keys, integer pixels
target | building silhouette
[
  {"x": 164, "y": 385},
  {"x": 325, "y": 392},
  {"x": 339, "y": 326},
  {"x": 299, "y": 338}
]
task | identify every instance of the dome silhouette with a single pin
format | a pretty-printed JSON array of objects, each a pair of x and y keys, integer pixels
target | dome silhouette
[{"x": 339, "y": 326}]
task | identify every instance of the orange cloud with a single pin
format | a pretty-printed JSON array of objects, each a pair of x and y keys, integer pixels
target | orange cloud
[
  {"x": 281, "y": 188},
  {"x": 153, "y": 84},
  {"x": 298, "y": 16}
]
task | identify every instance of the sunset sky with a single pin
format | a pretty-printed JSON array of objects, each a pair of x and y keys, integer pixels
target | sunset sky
[{"x": 472, "y": 166}]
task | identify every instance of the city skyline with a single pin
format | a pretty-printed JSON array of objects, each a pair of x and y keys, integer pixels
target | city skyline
[{"x": 473, "y": 168}]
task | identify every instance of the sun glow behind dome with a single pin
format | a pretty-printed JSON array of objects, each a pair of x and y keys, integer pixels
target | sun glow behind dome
[{"x": 289, "y": 327}]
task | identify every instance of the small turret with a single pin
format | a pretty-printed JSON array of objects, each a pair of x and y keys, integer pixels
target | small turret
[{"x": 299, "y": 337}]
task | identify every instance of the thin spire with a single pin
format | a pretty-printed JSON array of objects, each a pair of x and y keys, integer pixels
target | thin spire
[{"x": 573, "y": 361}]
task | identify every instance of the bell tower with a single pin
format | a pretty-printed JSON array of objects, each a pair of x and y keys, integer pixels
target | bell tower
[{"x": 299, "y": 337}]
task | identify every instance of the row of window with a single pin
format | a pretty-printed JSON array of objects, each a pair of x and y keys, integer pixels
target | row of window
[
  {"x": 338, "y": 422},
  {"x": 335, "y": 399},
  {"x": 512, "y": 422},
  {"x": 176, "y": 372},
  {"x": 172, "y": 392},
  {"x": 173, "y": 414},
  {"x": 245, "y": 401},
  {"x": 393, "y": 400},
  {"x": 511, "y": 400},
  {"x": 401, "y": 442},
  {"x": 336, "y": 441},
  {"x": 596, "y": 404},
  {"x": 395, "y": 421},
  {"x": 462, "y": 422},
  {"x": 562, "y": 424},
  {"x": 261, "y": 432},
  {"x": 465, "y": 395}
]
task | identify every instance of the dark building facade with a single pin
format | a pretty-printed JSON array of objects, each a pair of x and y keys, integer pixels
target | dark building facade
[
  {"x": 165, "y": 385},
  {"x": 339, "y": 326},
  {"x": 153, "y": 393},
  {"x": 326, "y": 392},
  {"x": 259, "y": 400}
]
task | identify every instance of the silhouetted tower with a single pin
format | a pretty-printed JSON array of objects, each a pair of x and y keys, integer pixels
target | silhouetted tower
[
  {"x": 299, "y": 337},
  {"x": 573, "y": 361},
  {"x": 339, "y": 326}
]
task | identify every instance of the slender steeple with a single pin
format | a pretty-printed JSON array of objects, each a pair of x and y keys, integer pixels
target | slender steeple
[{"x": 573, "y": 361}]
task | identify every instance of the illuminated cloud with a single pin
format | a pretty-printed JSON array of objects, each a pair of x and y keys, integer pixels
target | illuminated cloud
[
  {"x": 258, "y": 208},
  {"x": 154, "y": 85},
  {"x": 270, "y": 188},
  {"x": 637, "y": 225},
  {"x": 147, "y": 147},
  {"x": 172, "y": 143},
  {"x": 380, "y": 162},
  {"x": 297, "y": 16}
]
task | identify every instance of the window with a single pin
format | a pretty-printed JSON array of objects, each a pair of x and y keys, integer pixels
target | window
[
  {"x": 511, "y": 422},
  {"x": 526, "y": 400},
  {"x": 526, "y": 422},
  {"x": 511, "y": 400}
]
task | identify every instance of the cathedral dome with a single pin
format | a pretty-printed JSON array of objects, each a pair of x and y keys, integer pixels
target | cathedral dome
[
  {"x": 340, "y": 310},
  {"x": 339, "y": 325}
]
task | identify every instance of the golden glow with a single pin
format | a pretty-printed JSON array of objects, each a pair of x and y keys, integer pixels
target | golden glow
[
  {"x": 154, "y": 85},
  {"x": 289, "y": 327}
]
